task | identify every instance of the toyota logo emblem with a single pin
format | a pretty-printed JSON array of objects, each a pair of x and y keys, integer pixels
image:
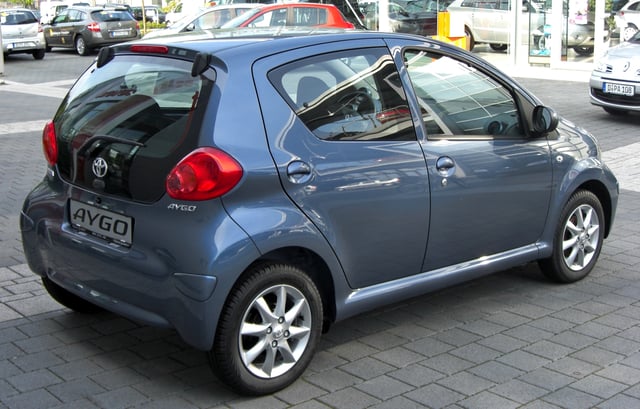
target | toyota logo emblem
[{"x": 99, "y": 167}]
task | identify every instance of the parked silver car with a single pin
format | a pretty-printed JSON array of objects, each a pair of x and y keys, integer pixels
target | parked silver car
[
  {"x": 249, "y": 191},
  {"x": 615, "y": 80},
  {"x": 490, "y": 22},
  {"x": 22, "y": 33}
]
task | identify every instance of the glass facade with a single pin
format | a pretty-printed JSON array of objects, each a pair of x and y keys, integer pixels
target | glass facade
[{"x": 548, "y": 33}]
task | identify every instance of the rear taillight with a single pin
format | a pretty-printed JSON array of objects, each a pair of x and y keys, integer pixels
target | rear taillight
[
  {"x": 49, "y": 143},
  {"x": 94, "y": 27},
  {"x": 205, "y": 173}
]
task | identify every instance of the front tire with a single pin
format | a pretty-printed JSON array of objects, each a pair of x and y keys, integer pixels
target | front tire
[
  {"x": 268, "y": 330},
  {"x": 578, "y": 239}
]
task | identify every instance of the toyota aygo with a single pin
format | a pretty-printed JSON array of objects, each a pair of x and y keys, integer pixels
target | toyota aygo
[{"x": 248, "y": 191}]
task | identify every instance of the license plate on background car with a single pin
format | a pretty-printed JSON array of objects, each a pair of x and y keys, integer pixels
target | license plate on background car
[
  {"x": 121, "y": 33},
  {"x": 618, "y": 89},
  {"x": 100, "y": 222},
  {"x": 22, "y": 45}
]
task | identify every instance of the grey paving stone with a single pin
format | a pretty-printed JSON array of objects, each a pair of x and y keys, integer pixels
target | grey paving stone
[
  {"x": 573, "y": 367},
  {"x": 398, "y": 357},
  {"x": 333, "y": 380},
  {"x": 30, "y": 381},
  {"x": 620, "y": 401},
  {"x": 496, "y": 372},
  {"x": 299, "y": 392},
  {"x": 120, "y": 398},
  {"x": 75, "y": 390},
  {"x": 599, "y": 386},
  {"x": 572, "y": 398},
  {"x": 349, "y": 398},
  {"x": 621, "y": 373},
  {"x": 36, "y": 399},
  {"x": 547, "y": 379},
  {"x": 416, "y": 375},
  {"x": 367, "y": 368},
  {"x": 523, "y": 360},
  {"x": 487, "y": 400},
  {"x": 465, "y": 383},
  {"x": 434, "y": 396},
  {"x": 475, "y": 353},
  {"x": 502, "y": 343},
  {"x": 549, "y": 350},
  {"x": 597, "y": 356},
  {"x": 384, "y": 387},
  {"x": 519, "y": 391}
]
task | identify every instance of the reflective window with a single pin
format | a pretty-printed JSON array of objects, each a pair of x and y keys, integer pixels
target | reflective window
[
  {"x": 458, "y": 100},
  {"x": 351, "y": 95}
]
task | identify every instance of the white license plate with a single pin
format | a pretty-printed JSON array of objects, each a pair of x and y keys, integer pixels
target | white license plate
[
  {"x": 102, "y": 223},
  {"x": 22, "y": 45},
  {"x": 120, "y": 33},
  {"x": 618, "y": 89}
]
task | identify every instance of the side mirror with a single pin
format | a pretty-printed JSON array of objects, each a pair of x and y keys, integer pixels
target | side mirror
[
  {"x": 190, "y": 27},
  {"x": 544, "y": 120}
]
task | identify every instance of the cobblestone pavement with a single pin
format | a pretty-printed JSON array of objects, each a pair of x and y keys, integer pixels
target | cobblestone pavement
[{"x": 510, "y": 340}]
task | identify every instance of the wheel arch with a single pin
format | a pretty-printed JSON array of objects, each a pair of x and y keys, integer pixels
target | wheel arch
[
  {"x": 599, "y": 189},
  {"x": 308, "y": 261}
]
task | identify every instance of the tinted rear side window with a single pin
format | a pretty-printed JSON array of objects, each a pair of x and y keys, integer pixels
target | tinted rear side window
[
  {"x": 351, "y": 95},
  {"x": 138, "y": 114}
]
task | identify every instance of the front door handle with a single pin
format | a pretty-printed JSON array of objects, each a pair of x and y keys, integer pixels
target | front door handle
[{"x": 445, "y": 166}]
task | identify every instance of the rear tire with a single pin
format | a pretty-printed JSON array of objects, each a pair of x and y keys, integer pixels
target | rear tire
[
  {"x": 81, "y": 46},
  {"x": 67, "y": 298},
  {"x": 498, "y": 47},
  {"x": 38, "y": 54},
  {"x": 268, "y": 330},
  {"x": 577, "y": 240},
  {"x": 470, "y": 41}
]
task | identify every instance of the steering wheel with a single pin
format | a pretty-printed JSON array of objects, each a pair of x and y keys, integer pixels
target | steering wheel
[
  {"x": 502, "y": 125},
  {"x": 353, "y": 103}
]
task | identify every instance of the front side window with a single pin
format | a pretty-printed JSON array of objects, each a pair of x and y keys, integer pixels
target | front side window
[
  {"x": 460, "y": 101},
  {"x": 350, "y": 95}
]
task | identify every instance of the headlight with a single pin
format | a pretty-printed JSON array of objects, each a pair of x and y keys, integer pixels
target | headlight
[{"x": 601, "y": 64}]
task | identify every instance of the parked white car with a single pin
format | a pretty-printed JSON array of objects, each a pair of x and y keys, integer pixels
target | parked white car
[
  {"x": 628, "y": 19},
  {"x": 209, "y": 19},
  {"x": 21, "y": 33}
]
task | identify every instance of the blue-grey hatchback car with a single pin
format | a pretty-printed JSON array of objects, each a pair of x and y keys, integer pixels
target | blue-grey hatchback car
[{"x": 249, "y": 191}]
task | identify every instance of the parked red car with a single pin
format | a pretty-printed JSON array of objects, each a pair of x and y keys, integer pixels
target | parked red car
[{"x": 292, "y": 14}]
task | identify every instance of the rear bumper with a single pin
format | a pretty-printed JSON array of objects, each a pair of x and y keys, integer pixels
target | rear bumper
[{"x": 163, "y": 280}]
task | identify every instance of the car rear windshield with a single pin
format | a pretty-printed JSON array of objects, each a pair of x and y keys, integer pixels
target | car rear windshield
[
  {"x": 137, "y": 113},
  {"x": 10, "y": 18},
  {"x": 111, "y": 15}
]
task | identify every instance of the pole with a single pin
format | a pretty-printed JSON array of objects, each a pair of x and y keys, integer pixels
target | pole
[{"x": 1, "y": 60}]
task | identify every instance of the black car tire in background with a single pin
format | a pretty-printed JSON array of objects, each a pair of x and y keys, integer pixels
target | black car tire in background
[
  {"x": 67, "y": 298},
  {"x": 81, "y": 46},
  {"x": 39, "y": 54},
  {"x": 274, "y": 314}
]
